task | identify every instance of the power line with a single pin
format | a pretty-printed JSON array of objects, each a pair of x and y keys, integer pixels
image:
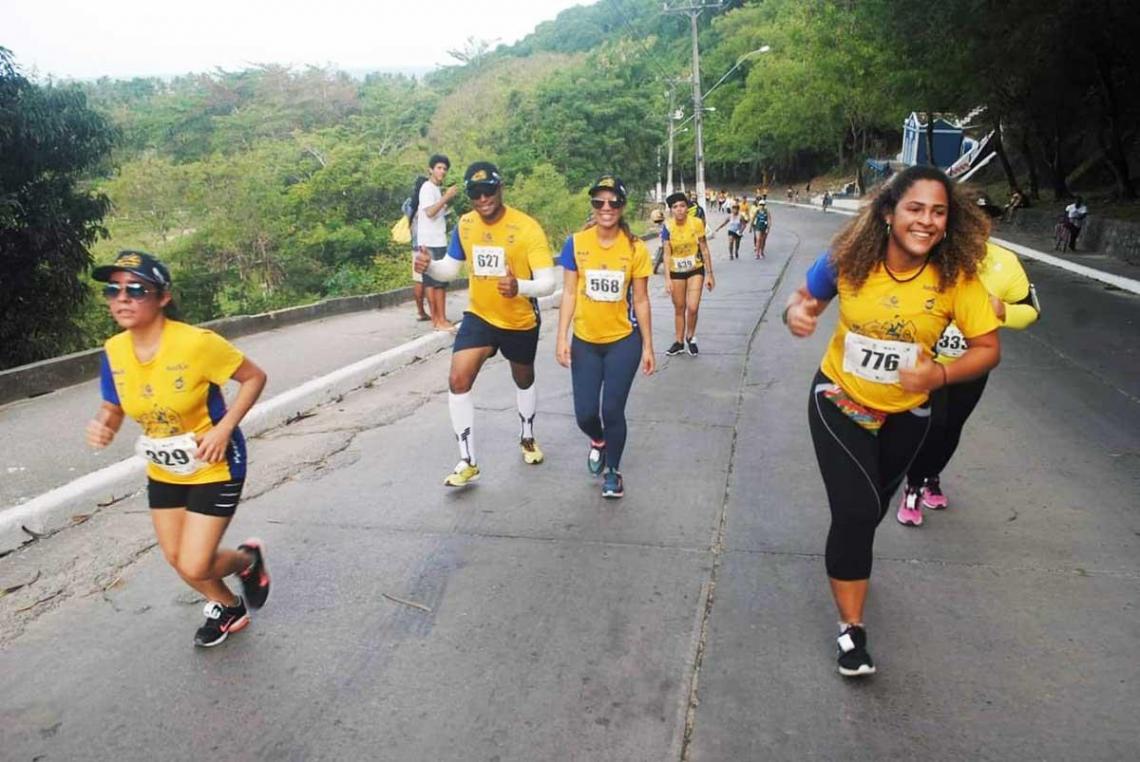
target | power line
[{"x": 641, "y": 43}]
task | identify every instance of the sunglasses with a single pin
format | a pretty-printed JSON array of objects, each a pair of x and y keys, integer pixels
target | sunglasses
[
  {"x": 476, "y": 192},
  {"x": 136, "y": 292},
  {"x": 600, "y": 203}
]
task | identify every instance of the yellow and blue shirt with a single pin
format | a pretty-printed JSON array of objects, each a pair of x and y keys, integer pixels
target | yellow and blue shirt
[
  {"x": 178, "y": 391},
  {"x": 609, "y": 318},
  {"x": 684, "y": 239},
  {"x": 914, "y": 311},
  {"x": 516, "y": 241},
  {"x": 1004, "y": 277}
]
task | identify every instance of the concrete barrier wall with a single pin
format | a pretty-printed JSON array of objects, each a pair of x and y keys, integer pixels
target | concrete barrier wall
[
  {"x": 46, "y": 376},
  {"x": 1116, "y": 238}
]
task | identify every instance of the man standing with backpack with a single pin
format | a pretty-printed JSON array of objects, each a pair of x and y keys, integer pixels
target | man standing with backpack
[{"x": 431, "y": 233}]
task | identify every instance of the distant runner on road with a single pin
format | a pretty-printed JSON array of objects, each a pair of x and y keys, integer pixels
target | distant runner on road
[
  {"x": 903, "y": 269},
  {"x": 760, "y": 226},
  {"x": 687, "y": 261},
  {"x": 510, "y": 266},
  {"x": 168, "y": 376},
  {"x": 605, "y": 293}
]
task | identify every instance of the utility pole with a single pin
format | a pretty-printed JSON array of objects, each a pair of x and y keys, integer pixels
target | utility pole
[
  {"x": 672, "y": 114},
  {"x": 657, "y": 194},
  {"x": 693, "y": 9}
]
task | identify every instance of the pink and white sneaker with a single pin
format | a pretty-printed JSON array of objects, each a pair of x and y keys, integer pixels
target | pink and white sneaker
[
  {"x": 910, "y": 509},
  {"x": 932, "y": 496}
]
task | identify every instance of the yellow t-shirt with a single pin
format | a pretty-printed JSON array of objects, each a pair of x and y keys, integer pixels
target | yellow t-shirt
[
  {"x": 684, "y": 242},
  {"x": 884, "y": 310},
  {"x": 603, "y": 312},
  {"x": 1004, "y": 277},
  {"x": 515, "y": 241},
  {"x": 178, "y": 391}
]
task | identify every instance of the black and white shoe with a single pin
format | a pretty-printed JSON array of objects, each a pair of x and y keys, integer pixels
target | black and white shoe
[
  {"x": 691, "y": 346},
  {"x": 853, "y": 659},
  {"x": 255, "y": 579},
  {"x": 676, "y": 349},
  {"x": 220, "y": 622}
]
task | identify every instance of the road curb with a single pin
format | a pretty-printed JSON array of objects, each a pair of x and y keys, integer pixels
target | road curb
[{"x": 54, "y": 509}]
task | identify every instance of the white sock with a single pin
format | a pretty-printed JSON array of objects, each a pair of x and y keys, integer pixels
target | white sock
[
  {"x": 462, "y": 409},
  {"x": 528, "y": 404}
]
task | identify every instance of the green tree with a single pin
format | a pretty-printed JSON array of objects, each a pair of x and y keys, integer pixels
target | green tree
[{"x": 49, "y": 139}]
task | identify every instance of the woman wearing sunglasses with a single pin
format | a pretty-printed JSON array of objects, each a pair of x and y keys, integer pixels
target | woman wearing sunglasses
[
  {"x": 168, "y": 376},
  {"x": 605, "y": 291},
  {"x": 689, "y": 267}
]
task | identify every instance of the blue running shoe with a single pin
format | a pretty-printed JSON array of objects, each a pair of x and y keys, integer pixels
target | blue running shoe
[
  {"x": 612, "y": 485},
  {"x": 596, "y": 460}
]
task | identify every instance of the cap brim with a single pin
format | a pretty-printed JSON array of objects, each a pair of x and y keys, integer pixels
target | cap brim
[{"x": 103, "y": 273}]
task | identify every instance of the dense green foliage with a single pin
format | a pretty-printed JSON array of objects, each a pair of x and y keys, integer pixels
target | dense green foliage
[
  {"x": 272, "y": 186},
  {"x": 49, "y": 138}
]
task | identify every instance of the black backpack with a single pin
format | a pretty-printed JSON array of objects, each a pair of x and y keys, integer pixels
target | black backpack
[{"x": 412, "y": 204}]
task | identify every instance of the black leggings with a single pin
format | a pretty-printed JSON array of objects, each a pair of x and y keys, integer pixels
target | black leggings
[
  {"x": 951, "y": 407},
  {"x": 861, "y": 472},
  {"x": 604, "y": 372}
]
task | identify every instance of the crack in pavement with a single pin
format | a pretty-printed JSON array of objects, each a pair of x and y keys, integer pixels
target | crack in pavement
[{"x": 718, "y": 540}]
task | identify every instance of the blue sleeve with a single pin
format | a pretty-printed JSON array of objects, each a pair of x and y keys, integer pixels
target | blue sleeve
[
  {"x": 107, "y": 381},
  {"x": 566, "y": 258},
  {"x": 821, "y": 278},
  {"x": 455, "y": 248},
  {"x": 664, "y": 232}
]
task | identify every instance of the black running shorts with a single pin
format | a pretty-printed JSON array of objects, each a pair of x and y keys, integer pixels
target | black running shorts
[
  {"x": 685, "y": 276},
  {"x": 211, "y": 499},
  {"x": 517, "y": 346}
]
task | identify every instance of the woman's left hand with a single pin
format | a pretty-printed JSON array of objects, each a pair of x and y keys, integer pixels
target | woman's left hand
[
  {"x": 648, "y": 361},
  {"x": 212, "y": 445},
  {"x": 925, "y": 376},
  {"x": 710, "y": 282}
]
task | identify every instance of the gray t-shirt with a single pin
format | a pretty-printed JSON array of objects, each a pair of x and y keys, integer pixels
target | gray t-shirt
[{"x": 431, "y": 232}]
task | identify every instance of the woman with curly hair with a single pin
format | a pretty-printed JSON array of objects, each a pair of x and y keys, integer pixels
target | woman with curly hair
[{"x": 902, "y": 270}]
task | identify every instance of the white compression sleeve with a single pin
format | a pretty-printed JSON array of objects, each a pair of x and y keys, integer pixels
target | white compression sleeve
[
  {"x": 528, "y": 404},
  {"x": 543, "y": 283},
  {"x": 462, "y": 409},
  {"x": 444, "y": 269}
]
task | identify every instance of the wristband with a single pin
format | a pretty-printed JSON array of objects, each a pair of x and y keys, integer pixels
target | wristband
[
  {"x": 945, "y": 376},
  {"x": 784, "y": 314}
]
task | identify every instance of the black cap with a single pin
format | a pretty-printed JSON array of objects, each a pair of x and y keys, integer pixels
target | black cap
[
  {"x": 610, "y": 183},
  {"x": 482, "y": 173},
  {"x": 674, "y": 197},
  {"x": 137, "y": 263}
]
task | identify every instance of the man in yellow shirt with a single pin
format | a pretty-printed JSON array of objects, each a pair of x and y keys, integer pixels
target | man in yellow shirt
[{"x": 509, "y": 265}]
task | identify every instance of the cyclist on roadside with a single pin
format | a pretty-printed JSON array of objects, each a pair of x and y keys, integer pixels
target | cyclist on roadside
[
  {"x": 510, "y": 266},
  {"x": 902, "y": 270},
  {"x": 657, "y": 220},
  {"x": 168, "y": 376}
]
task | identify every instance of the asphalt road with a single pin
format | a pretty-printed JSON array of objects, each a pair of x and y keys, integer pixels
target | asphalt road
[{"x": 691, "y": 618}]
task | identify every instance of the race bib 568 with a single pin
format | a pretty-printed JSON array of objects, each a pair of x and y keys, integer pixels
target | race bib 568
[
  {"x": 877, "y": 360},
  {"x": 605, "y": 285},
  {"x": 489, "y": 261}
]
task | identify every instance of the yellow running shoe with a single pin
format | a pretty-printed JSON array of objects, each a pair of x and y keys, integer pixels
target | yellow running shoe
[
  {"x": 464, "y": 473},
  {"x": 532, "y": 456}
]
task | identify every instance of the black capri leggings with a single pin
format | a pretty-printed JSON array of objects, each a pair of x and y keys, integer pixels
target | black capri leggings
[
  {"x": 951, "y": 407},
  {"x": 861, "y": 472},
  {"x": 602, "y": 375}
]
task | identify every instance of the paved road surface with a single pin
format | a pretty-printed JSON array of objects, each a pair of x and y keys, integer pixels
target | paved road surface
[{"x": 564, "y": 627}]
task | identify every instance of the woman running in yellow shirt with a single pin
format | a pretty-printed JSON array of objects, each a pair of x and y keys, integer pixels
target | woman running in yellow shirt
[
  {"x": 902, "y": 271},
  {"x": 168, "y": 376},
  {"x": 605, "y": 293},
  {"x": 1015, "y": 303},
  {"x": 688, "y": 266}
]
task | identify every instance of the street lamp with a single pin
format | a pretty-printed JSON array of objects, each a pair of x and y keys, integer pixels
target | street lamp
[{"x": 735, "y": 66}]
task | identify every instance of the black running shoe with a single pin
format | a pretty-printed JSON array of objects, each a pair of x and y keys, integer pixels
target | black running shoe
[
  {"x": 596, "y": 459},
  {"x": 676, "y": 349},
  {"x": 220, "y": 622},
  {"x": 613, "y": 486},
  {"x": 691, "y": 346},
  {"x": 255, "y": 579},
  {"x": 854, "y": 661}
]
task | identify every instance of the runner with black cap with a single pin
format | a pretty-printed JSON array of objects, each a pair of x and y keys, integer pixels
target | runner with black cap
[
  {"x": 689, "y": 267},
  {"x": 168, "y": 376},
  {"x": 510, "y": 266},
  {"x": 605, "y": 292}
]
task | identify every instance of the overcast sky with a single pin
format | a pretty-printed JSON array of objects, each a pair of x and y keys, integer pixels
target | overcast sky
[{"x": 124, "y": 38}]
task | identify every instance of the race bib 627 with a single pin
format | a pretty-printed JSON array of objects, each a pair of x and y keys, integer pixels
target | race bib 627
[{"x": 489, "y": 261}]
